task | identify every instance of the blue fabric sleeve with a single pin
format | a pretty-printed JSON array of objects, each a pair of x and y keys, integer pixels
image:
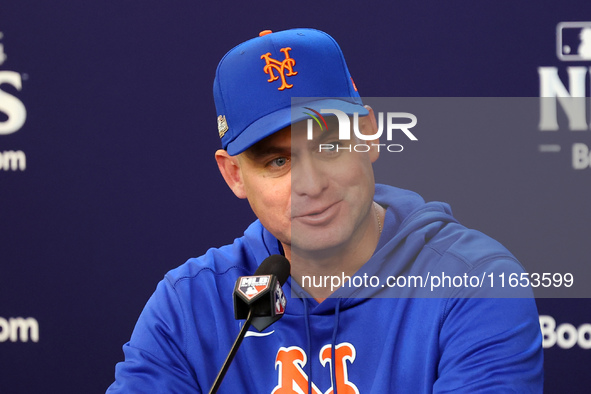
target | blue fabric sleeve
[
  {"x": 490, "y": 345},
  {"x": 155, "y": 356}
]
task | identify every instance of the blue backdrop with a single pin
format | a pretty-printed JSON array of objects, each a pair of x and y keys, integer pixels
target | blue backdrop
[{"x": 107, "y": 176}]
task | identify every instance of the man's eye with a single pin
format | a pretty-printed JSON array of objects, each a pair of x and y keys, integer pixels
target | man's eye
[
  {"x": 331, "y": 147},
  {"x": 279, "y": 162}
]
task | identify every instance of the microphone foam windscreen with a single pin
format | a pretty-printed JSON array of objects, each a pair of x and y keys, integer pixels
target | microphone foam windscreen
[{"x": 277, "y": 265}]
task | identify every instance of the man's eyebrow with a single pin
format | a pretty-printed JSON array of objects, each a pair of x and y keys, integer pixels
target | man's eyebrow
[
  {"x": 261, "y": 151},
  {"x": 323, "y": 136}
]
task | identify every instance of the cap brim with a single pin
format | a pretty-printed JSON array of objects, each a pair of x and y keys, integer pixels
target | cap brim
[{"x": 272, "y": 123}]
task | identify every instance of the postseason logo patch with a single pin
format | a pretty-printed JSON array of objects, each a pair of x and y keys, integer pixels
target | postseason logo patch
[
  {"x": 279, "y": 299},
  {"x": 222, "y": 125},
  {"x": 251, "y": 286}
]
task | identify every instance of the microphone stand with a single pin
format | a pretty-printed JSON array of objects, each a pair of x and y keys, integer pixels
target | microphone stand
[{"x": 235, "y": 346}]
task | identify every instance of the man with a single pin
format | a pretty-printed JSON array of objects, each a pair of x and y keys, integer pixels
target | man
[{"x": 322, "y": 210}]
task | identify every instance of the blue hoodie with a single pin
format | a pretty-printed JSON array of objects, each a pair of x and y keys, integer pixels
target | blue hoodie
[{"x": 360, "y": 340}]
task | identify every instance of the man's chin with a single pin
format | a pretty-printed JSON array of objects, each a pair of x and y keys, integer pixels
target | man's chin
[{"x": 314, "y": 247}]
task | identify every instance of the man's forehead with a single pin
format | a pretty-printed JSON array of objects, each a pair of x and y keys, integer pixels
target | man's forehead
[
  {"x": 276, "y": 142},
  {"x": 282, "y": 139}
]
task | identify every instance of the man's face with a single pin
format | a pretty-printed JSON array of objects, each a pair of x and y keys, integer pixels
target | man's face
[
  {"x": 313, "y": 201},
  {"x": 331, "y": 191}
]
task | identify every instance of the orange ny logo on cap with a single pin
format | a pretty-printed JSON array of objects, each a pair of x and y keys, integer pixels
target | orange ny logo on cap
[{"x": 275, "y": 65}]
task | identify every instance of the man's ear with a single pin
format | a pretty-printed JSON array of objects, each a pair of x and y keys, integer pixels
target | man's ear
[
  {"x": 230, "y": 168},
  {"x": 369, "y": 126}
]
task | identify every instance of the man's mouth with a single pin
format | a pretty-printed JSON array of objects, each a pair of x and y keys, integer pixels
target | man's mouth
[{"x": 318, "y": 215}]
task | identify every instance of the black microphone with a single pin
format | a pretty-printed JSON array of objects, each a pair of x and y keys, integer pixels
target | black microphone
[
  {"x": 258, "y": 299},
  {"x": 261, "y": 293}
]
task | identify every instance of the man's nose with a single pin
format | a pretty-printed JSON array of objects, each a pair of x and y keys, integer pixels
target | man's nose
[{"x": 308, "y": 177}]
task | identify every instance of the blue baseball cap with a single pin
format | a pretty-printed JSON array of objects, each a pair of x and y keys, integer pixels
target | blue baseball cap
[{"x": 256, "y": 81}]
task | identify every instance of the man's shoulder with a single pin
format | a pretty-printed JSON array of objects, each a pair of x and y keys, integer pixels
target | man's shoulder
[
  {"x": 433, "y": 225},
  {"x": 471, "y": 247},
  {"x": 465, "y": 263},
  {"x": 239, "y": 258},
  {"x": 216, "y": 261}
]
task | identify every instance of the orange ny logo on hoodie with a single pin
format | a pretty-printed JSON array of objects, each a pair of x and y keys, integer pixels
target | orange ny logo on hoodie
[{"x": 290, "y": 362}]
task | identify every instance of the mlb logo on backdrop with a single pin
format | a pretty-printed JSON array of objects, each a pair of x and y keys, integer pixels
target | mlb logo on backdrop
[{"x": 573, "y": 41}]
